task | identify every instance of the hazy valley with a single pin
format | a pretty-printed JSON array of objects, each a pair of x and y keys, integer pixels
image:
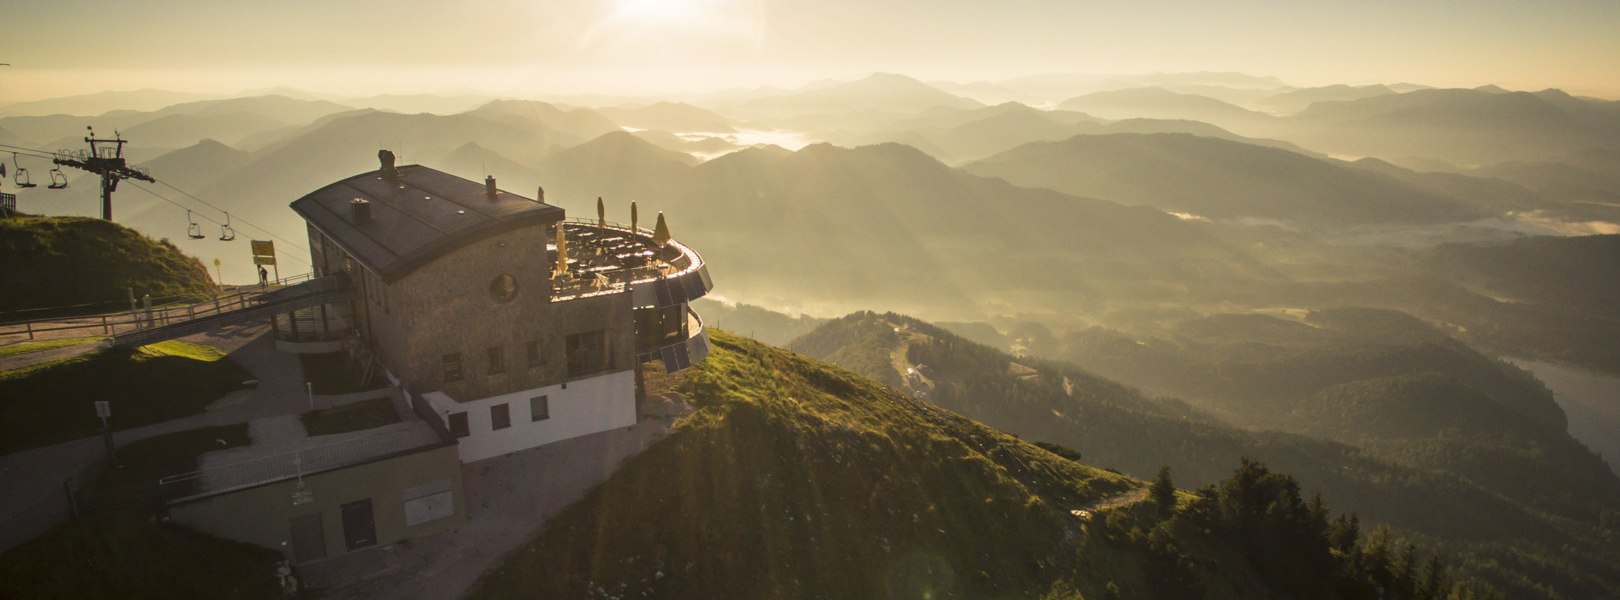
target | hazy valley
[{"x": 1043, "y": 289}]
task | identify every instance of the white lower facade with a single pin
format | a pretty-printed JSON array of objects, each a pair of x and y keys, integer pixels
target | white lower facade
[{"x": 577, "y": 408}]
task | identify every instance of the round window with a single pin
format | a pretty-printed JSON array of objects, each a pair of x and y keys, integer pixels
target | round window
[{"x": 503, "y": 288}]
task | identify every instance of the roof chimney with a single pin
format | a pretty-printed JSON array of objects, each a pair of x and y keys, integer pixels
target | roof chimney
[
  {"x": 387, "y": 159},
  {"x": 360, "y": 211},
  {"x": 541, "y": 198},
  {"x": 489, "y": 187}
]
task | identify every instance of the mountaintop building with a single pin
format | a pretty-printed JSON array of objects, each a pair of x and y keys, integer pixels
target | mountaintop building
[
  {"x": 518, "y": 326},
  {"x": 500, "y": 324}
]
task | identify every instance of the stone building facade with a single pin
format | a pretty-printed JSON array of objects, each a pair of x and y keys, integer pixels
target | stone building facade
[{"x": 460, "y": 296}]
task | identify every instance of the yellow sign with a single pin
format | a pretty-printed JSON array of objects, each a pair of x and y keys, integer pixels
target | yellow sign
[{"x": 264, "y": 252}]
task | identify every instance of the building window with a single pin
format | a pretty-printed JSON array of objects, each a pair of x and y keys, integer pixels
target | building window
[
  {"x": 458, "y": 425},
  {"x": 500, "y": 416},
  {"x": 539, "y": 408},
  {"x": 452, "y": 366},
  {"x": 497, "y": 360},
  {"x": 587, "y": 353},
  {"x": 535, "y": 359}
]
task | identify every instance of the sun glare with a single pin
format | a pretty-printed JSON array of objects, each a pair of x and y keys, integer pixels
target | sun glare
[{"x": 657, "y": 10}]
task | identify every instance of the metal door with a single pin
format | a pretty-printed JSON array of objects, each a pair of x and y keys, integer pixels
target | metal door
[{"x": 359, "y": 529}]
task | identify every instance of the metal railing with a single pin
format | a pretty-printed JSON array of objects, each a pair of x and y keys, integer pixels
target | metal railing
[
  {"x": 413, "y": 435},
  {"x": 123, "y": 321},
  {"x": 309, "y": 293},
  {"x": 587, "y": 284}
]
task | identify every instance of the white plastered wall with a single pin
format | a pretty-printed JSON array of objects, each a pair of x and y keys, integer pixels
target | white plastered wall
[{"x": 578, "y": 408}]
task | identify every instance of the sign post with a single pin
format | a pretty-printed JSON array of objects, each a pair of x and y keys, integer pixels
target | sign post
[
  {"x": 104, "y": 410},
  {"x": 264, "y": 253}
]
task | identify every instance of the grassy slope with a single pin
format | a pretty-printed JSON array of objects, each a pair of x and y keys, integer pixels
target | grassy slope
[
  {"x": 795, "y": 479},
  {"x": 116, "y": 551},
  {"x": 65, "y": 261},
  {"x": 1113, "y": 425},
  {"x": 40, "y": 346},
  {"x": 53, "y": 402}
]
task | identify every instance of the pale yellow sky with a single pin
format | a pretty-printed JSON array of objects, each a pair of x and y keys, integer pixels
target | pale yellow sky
[{"x": 529, "y": 47}]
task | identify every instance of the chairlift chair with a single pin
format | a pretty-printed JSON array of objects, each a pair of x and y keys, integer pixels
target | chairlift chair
[
  {"x": 193, "y": 230},
  {"x": 21, "y": 178},
  {"x": 58, "y": 179},
  {"x": 227, "y": 234}
]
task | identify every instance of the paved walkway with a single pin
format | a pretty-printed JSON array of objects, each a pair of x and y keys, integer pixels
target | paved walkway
[
  {"x": 34, "y": 499},
  {"x": 509, "y": 499}
]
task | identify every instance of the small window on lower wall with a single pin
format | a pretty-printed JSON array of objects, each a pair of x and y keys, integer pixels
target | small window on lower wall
[
  {"x": 458, "y": 425},
  {"x": 500, "y": 416},
  {"x": 539, "y": 408}
]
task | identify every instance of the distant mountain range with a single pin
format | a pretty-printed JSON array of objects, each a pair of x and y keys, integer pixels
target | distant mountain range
[
  {"x": 283, "y": 146},
  {"x": 1221, "y": 179},
  {"x": 882, "y": 92}
]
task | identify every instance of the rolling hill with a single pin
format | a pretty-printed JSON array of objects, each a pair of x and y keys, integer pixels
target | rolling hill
[
  {"x": 1219, "y": 179},
  {"x": 1512, "y": 542},
  {"x": 794, "y": 479},
  {"x": 879, "y": 92},
  {"x": 1160, "y": 103},
  {"x": 90, "y": 261},
  {"x": 1466, "y": 127},
  {"x": 1293, "y": 101},
  {"x": 675, "y": 117}
]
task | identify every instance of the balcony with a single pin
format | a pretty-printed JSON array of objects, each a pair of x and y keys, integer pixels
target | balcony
[{"x": 615, "y": 259}]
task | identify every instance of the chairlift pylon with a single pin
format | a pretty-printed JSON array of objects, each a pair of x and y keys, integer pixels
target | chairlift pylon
[
  {"x": 227, "y": 234},
  {"x": 193, "y": 230},
  {"x": 58, "y": 179},
  {"x": 21, "y": 177}
]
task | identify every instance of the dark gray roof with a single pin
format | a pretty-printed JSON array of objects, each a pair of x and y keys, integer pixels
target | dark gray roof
[{"x": 416, "y": 218}]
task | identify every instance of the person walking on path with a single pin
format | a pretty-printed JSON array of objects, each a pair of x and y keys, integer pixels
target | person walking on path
[{"x": 264, "y": 277}]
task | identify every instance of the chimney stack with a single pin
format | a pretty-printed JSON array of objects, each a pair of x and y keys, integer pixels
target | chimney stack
[
  {"x": 541, "y": 197},
  {"x": 360, "y": 211},
  {"x": 489, "y": 187},
  {"x": 387, "y": 159}
]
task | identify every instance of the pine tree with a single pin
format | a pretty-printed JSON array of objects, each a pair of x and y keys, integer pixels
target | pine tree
[
  {"x": 1432, "y": 583},
  {"x": 1163, "y": 492}
]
